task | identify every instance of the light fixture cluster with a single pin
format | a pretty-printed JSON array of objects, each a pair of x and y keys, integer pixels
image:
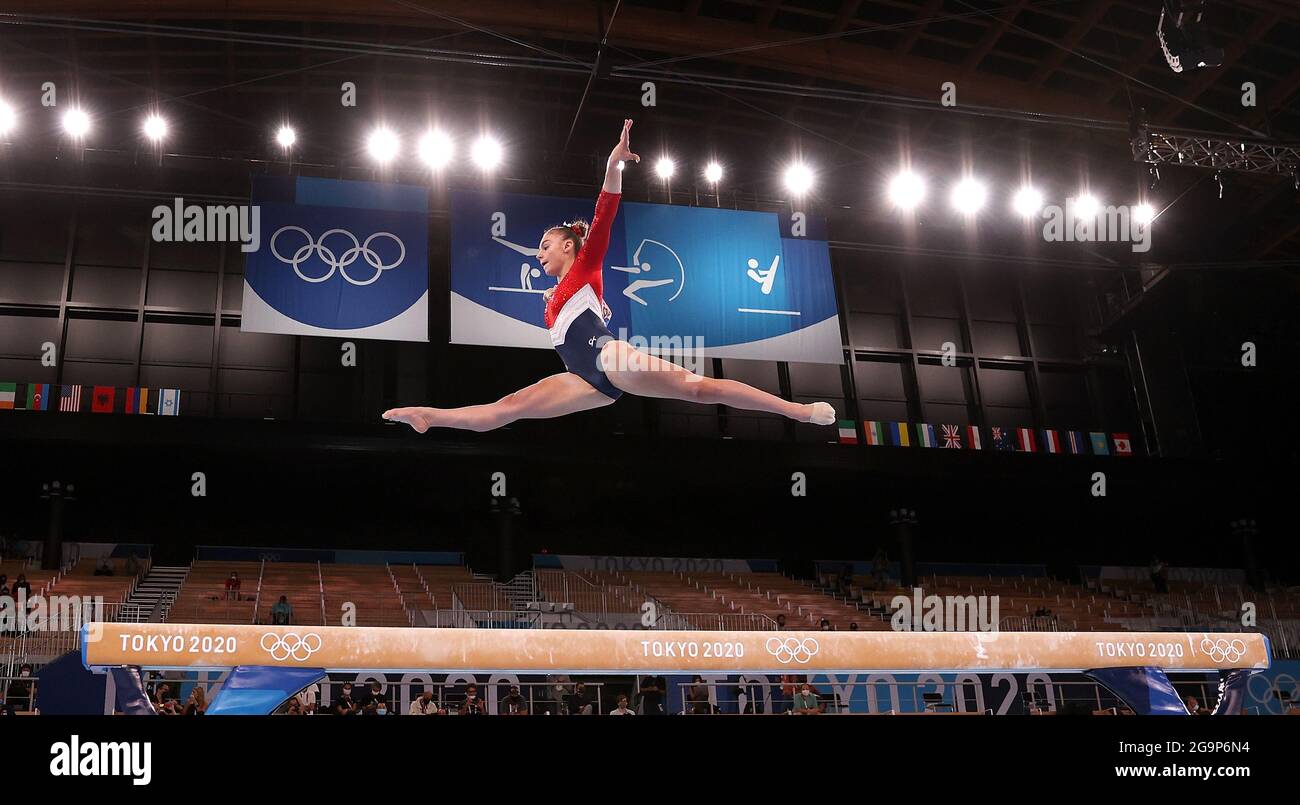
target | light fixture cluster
[{"x": 969, "y": 196}]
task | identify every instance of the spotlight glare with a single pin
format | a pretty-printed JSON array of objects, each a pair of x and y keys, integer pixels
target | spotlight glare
[
  {"x": 7, "y": 118},
  {"x": 906, "y": 190},
  {"x": 713, "y": 173},
  {"x": 382, "y": 144},
  {"x": 968, "y": 196},
  {"x": 798, "y": 178},
  {"x": 76, "y": 123},
  {"x": 155, "y": 128},
  {"x": 435, "y": 149},
  {"x": 1027, "y": 201},
  {"x": 665, "y": 168},
  {"x": 486, "y": 152},
  {"x": 286, "y": 137},
  {"x": 1086, "y": 206},
  {"x": 1144, "y": 214}
]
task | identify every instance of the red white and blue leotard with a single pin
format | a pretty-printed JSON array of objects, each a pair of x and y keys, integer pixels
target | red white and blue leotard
[{"x": 575, "y": 313}]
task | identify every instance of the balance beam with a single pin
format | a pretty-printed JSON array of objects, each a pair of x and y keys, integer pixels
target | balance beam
[{"x": 176, "y": 646}]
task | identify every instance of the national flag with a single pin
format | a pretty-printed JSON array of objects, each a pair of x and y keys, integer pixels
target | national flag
[
  {"x": 925, "y": 435},
  {"x": 973, "y": 437},
  {"x": 70, "y": 398},
  {"x": 38, "y": 396},
  {"x": 848, "y": 431},
  {"x": 898, "y": 434},
  {"x": 102, "y": 400},
  {"x": 875, "y": 433},
  {"x": 8, "y": 392},
  {"x": 951, "y": 436},
  {"x": 1075, "y": 441},
  {"x": 1123, "y": 445},
  {"x": 1051, "y": 441},
  {"x": 142, "y": 405},
  {"x": 169, "y": 402},
  {"x": 130, "y": 404},
  {"x": 137, "y": 400},
  {"x": 1100, "y": 446},
  {"x": 1025, "y": 441},
  {"x": 1002, "y": 439}
]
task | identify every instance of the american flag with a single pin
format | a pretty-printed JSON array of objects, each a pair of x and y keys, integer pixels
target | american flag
[
  {"x": 70, "y": 398},
  {"x": 951, "y": 435}
]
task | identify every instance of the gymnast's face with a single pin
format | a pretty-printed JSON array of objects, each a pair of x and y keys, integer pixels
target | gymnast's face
[{"x": 555, "y": 252}]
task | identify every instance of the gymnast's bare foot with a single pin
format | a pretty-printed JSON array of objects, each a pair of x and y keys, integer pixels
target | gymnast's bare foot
[{"x": 419, "y": 418}]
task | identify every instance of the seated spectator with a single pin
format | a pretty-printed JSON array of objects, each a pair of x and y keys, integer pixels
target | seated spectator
[
  {"x": 294, "y": 707},
  {"x": 104, "y": 567},
  {"x": 22, "y": 584},
  {"x": 374, "y": 694},
  {"x": 19, "y": 695},
  {"x": 6, "y": 709},
  {"x": 472, "y": 705},
  {"x": 423, "y": 705},
  {"x": 1194, "y": 707},
  {"x": 513, "y": 704},
  {"x": 232, "y": 587},
  {"x": 282, "y": 612},
  {"x": 780, "y": 621},
  {"x": 853, "y": 626},
  {"x": 309, "y": 709},
  {"x": 622, "y": 709},
  {"x": 580, "y": 703},
  {"x": 825, "y": 625},
  {"x": 198, "y": 702},
  {"x": 162, "y": 697},
  {"x": 805, "y": 702},
  {"x": 344, "y": 705},
  {"x": 309, "y": 695}
]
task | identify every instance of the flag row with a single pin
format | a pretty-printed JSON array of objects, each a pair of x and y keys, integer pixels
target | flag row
[
  {"x": 95, "y": 399},
  {"x": 974, "y": 437}
]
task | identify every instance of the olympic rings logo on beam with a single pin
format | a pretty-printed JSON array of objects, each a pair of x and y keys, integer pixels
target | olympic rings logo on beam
[
  {"x": 335, "y": 262},
  {"x": 282, "y": 647},
  {"x": 1223, "y": 650},
  {"x": 792, "y": 649}
]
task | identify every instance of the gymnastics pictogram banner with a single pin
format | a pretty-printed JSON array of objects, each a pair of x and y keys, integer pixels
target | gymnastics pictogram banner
[
  {"x": 339, "y": 258},
  {"x": 728, "y": 283}
]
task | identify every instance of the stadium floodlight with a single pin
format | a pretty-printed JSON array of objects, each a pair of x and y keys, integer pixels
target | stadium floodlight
[{"x": 906, "y": 190}]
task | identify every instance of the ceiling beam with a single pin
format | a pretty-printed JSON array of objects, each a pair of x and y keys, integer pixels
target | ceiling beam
[{"x": 1080, "y": 29}]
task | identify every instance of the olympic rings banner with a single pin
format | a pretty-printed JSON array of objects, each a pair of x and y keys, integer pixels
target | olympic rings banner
[
  {"x": 338, "y": 648},
  {"x": 338, "y": 258},
  {"x": 709, "y": 282}
]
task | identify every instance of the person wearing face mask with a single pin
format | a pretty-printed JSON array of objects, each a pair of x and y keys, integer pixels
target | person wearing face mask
[
  {"x": 423, "y": 705},
  {"x": 473, "y": 705},
  {"x": 805, "y": 701},
  {"x": 344, "y": 706}
]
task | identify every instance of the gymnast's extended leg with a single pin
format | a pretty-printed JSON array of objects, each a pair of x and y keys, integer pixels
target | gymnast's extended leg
[
  {"x": 553, "y": 396},
  {"x": 637, "y": 372}
]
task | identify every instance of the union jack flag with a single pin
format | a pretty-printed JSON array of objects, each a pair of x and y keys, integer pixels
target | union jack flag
[{"x": 951, "y": 436}]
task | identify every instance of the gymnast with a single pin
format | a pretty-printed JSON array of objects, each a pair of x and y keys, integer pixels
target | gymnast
[{"x": 600, "y": 368}]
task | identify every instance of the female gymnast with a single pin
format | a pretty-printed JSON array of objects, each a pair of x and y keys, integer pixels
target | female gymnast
[{"x": 600, "y": 367}]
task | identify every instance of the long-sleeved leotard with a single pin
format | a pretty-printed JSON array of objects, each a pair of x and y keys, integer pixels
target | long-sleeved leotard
[{"x": 575, "y": 312}]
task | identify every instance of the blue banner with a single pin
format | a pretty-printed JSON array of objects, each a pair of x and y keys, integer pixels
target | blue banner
[
  {"x": 724, "y": 283},
  {"x": 338, "y": 258}
]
